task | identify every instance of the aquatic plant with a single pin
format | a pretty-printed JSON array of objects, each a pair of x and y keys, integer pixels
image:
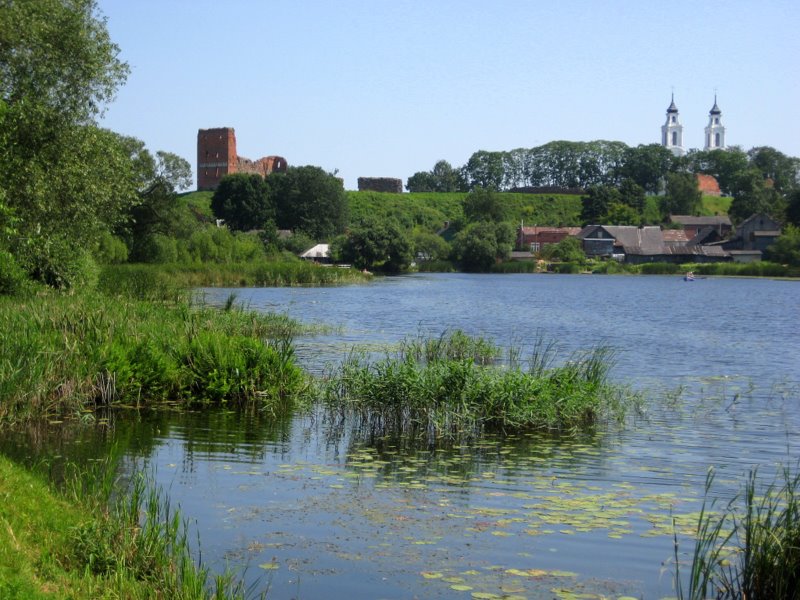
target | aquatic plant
[
  {"x": 751, "y": 549},
  {"x": 442, "y": 387}
]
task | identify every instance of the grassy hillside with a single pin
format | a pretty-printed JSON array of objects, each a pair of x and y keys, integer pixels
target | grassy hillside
[
  {"x": 715, "y": 205},
  {"x": 430, "y": 210}
]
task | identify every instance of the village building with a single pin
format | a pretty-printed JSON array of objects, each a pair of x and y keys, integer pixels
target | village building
[
  {"x": 535, "y": 238},
  {"x": 720, "y": 224},
  {"x": 672, "y": 130}
]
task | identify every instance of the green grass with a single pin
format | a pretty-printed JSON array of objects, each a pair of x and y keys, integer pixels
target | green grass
[
  {"x": 63, "y": 355},
  {"x": 447, "y": 388},
  {"x": 73, "y": 544},
  {"x": 715, "y": 205}
]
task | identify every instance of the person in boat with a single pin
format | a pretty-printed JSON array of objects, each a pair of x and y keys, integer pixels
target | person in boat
[{"x": 689, "y": 275}]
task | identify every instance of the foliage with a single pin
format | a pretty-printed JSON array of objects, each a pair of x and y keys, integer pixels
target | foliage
[
  {"x": 63, "y": 355},
  {"x": 244, "y": 201},
  {"x": 781, "y": 170},
  {"x": 429, "y": 246},
  {"x": 375, "y": 245},
  {"x": 647, "y": 165},
  {"x": 786, "y": 249},
  {"x": 597, "y": 203},
  {"x": 443, "y": 178},
  {"x": 683, "y": 196},
  {"x": 310, "y": 200},
  {"x": 480, "y": 245},
  {"x": 567, "y": 250},
  {"x": 724, "y": 165},
  {"x": 65, "y": 180},
  {"x": 754, "y": 195},
  {"x": 13, "y": 280},
  {"x": 483, "y": 204},
  {"x": 484, "y": 170}
]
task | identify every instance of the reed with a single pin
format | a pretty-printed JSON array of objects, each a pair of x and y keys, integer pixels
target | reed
[
  {"x": 443, "y": 388},
  {"x": 751, "y": 549}
]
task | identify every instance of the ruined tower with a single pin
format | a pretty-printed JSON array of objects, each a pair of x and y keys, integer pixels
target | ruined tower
[{"x": 217, "y": 157}]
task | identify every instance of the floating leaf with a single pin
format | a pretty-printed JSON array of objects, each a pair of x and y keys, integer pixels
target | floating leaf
[
  {"x": 270, "y": 566},
  {"x": 460, "y": 587},
  {"x": 431, "y": 575}
]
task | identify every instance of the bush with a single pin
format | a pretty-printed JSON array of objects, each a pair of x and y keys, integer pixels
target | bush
[{"x": 13, "y": 279}]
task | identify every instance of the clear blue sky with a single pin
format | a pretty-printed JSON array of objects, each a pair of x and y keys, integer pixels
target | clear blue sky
[{"x": 387, "y": 88}]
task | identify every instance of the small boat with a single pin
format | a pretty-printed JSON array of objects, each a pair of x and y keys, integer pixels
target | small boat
[{"x": 689, "y": 276}]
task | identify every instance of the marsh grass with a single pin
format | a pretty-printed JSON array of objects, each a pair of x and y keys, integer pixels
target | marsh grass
[
  {"x": 449, "y": 387},
  {"x": 751, "y": 549},
  {"x": 64, "y": 354}
]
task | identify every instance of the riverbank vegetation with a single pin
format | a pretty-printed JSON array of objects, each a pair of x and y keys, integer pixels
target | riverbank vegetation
[
  {"x": 451, "y": 386},
  {"x": 751, "y": 547},
  {"x": 63, "y": 355},
  {"x": 79, "y": 543}
]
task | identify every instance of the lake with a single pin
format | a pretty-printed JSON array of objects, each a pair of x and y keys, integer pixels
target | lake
[{"x": 314, "y": 508}]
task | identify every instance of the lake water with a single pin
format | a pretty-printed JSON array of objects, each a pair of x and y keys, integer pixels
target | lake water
[{"x": 315, "y": 509}]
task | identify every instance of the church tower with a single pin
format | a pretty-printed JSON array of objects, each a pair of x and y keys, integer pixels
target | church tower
[
  {"x": 715, "y": 132},
  {"x": 672, "y": 130}
]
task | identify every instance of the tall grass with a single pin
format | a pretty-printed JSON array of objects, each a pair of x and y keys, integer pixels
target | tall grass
[
  {"x": 750, "y": 550},
  {"x": 446, "y": 387},
  {"x": 251, "y": 274},
  {"x": 64, "y": 354}
]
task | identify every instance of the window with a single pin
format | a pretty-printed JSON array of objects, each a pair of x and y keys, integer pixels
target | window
[
  {"x": 674, "y": 138},
  {"x": 716, "y": 140},
  {"x": 673, "y": 118},
  {"x": 716, "y": 120}
]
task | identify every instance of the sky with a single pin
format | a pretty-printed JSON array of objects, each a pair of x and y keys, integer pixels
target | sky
[{"x": 386, "y": 88}]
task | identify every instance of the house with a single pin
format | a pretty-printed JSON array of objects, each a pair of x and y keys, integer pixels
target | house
[
  {"x": 320, "y": 253},
  {"x": 755, "y": 234},
  {"x": 693, "y": 225},
  {"x": 535, "y": 238},
  {"x": 636, "y": 245}
]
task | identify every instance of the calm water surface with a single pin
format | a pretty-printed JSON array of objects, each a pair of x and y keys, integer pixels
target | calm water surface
[{"x": 314, "y": 509}]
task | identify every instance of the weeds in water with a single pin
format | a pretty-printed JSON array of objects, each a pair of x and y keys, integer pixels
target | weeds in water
[
  {"x": 433, "y": 391},
  {"x": 752, "y": 549}
]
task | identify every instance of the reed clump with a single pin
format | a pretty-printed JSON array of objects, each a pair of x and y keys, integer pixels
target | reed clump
[
  {"x": 751, "y": 548},
  {"x": 452, "y": 386},
  {"x": 65, "y": 354}
]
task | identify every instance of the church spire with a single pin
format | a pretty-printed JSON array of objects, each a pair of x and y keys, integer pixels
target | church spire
[
  {"x": 715, "y": 132},
  {"x": 672, "y": 130}
]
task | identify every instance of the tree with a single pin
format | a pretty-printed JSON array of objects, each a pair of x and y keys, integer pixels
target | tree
[
  {"x": 596, "y": 203},
  {"x": 792, "y": 208},
  {"x": 632, "y": 194},
  {"x": 421, "y": 181},
  {"x": 725, "y": 165},
  {"x": 485, "y": 170},
  {"x": 755, "y": 195},
  {"x": 483, "y": 204},
  {"x": 309, "y": 200},
  {"x": 429, "y": 246},
  {"x": 66, "y": 181},
  {"x": 375, "y": 245},
  {"x": 786, "y": 249},
  {"x": 776, "y": 166},
  {"x": 243, "y": 201},
  {"x": 480, "y": 245},
  {"x": 683, "y": 196},
  {"x": 567, "y": 250},
  {"x": 647, "y": 165}
]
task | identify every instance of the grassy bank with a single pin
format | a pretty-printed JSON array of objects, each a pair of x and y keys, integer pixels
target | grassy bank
[
  {"x": 71, "y": 544},
  {"x": 450, "y": 387},
  {"x": 64, "y": 355}
]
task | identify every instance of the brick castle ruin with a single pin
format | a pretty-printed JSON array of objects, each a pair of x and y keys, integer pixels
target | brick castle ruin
[{"x": 216, "y": 157}]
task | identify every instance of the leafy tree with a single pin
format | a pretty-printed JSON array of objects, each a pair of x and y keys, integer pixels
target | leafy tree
[
  {"x": 683, "y": 196},
  {"x": 567, "y": 250},
  {"x": 243, "y": 201},
  {"x": 429, "y": 246},
  {"x": 621, "y": 214},
  {"x": 310, "y": 200},
  {"x": 481, "y": 245},
  {"x": 484, "y": 170},
  {"x": 597, "y": 202},
  {"x": 483, "y": 204},
  {"x": 647, "y": 165},
  {"x": 421, "y": 181},
  {"x": 632, "y": 194},
  {"x": 780, "y": 168},
  {"x": 726, "y": 166},
  {"x": 786, "y": 249},
  {"x": 65, "y": 180},
  {"x": 375, "y": 245},
  {"x": 793, "y": 208},
  {"x": 754, "y": 195}
]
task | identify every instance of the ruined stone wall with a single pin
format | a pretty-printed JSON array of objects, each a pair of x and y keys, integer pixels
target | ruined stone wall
[
  {"x": 217, "y": 157},
  {"x": 380, "y": 184}
]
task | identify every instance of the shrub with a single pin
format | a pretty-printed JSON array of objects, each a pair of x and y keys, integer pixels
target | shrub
[{"x": 13, "y": 279}]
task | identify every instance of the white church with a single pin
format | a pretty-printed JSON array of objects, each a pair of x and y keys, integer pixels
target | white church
[{"x": 672, "y": 130}]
